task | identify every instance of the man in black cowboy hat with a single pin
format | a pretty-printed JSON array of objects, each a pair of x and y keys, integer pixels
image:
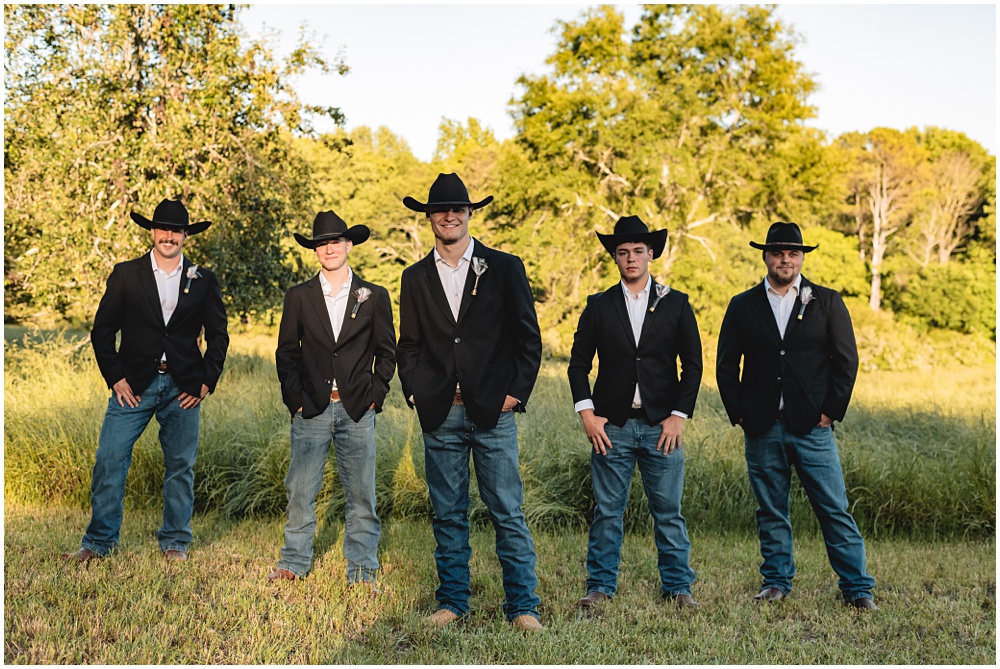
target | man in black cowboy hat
[
  {"x": 469, "y": 352},
  {"x": 335, "y": 358},
  {"x": 638, "y": 328},
  {"x": 160, "y": 303},
  {"x": 800, "y": 362}
]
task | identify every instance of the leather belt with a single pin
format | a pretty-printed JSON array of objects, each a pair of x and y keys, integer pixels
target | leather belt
[
  {"x": 782, "y": 418},
  {"x": 637, "y": 413},
  {"x": 335, "y": 396},
  {"x": 457, "y": 400},
  {"x": 162, "y": 367}
]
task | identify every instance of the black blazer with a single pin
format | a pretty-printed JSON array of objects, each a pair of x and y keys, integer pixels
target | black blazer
[
  {"x": 814, "y": 366},
  {"x": 494, "y": 348},
  {"x": 308, "y": 358},
  {"x": 131, "y": 305},
  {"x": 671, "y": 331}
]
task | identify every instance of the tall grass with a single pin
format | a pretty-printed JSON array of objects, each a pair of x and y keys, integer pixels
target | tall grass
[{"x": 917, "y": 449}]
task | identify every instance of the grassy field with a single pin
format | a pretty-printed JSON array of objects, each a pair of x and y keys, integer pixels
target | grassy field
[
  {"x": 919, "y": 458},
  {"x": 918, "y": 448},
  {"x": 938, "y": 602}
]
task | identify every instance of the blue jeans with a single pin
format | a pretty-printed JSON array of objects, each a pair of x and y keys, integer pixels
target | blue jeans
[
  {"x": 770, "y": 458},
  {"x": 663, "y": 480},
  {"x": 354, "y": 449},
  {"x": 179, "y": 440},
  {"x": 494, "y": 455}
]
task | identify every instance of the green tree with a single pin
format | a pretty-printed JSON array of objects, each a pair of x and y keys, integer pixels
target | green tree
[
  {"x": 109, "y": 109},
  {"x": 692, "y": 119}
]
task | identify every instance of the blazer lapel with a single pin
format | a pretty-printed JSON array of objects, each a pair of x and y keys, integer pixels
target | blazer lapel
[
  {"x": 351, "y": 301},
  {"x": 148, "y": 282},
  {"x": 648, "y": 318},
  {"x": 766, "y": 314},
  {"x": 183, "y": 299},
  {"x": 478, "y": 251},
  {"x": 435, "y": 287},
  {"x": 318, "y": 301},
  {"x": 618, "y": 299},
  {"x": 793, "y": 319}
]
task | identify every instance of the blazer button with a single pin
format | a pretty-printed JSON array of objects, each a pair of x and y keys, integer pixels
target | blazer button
[
  {"x": 334, "y": 355},
  {"x": 326, "y": 380},
  {"x": 779, "y": 378},
  {"x": 638, "y": 358},
  {"x": 782, "y": 351},
  {"x": 458, "y": 340}
]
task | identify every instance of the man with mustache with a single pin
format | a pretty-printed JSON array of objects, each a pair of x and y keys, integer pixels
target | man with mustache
[{"x": 159, "y": 303}]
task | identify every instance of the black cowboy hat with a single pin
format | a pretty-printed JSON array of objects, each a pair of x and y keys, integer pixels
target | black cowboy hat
[
  {"x": 784, "y": 237},
  {"x": 170, "y": 215},
  {"x": 632, "y": 229},
  {"x": 446, "y": 190},
  {"x": 327, "y": 225}
]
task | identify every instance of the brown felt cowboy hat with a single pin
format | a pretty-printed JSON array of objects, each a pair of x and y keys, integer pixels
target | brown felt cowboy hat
[
  {"x": 632, "y": 229},
  {"x": 170, "y": 215},
  {"x": 447, "y": 190},
  {"x": 784, "y": 237},
  {"x": 327, "y": 225}
]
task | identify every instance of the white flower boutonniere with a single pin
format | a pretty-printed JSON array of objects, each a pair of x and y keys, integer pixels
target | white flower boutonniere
[
  {"x": 362, "y": 294},
  {"x": 479, "y": 266},
  {"x": 192, "y": 273},
  {"x": 806, "y": 297},
  {"x": 661, "y": 290}
]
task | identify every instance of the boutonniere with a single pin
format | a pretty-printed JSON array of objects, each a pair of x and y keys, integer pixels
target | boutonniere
[
  {"x": 192, "y": 273},
  {"x": 479, "y": 266},
  {"x": 661, "y": 290},
  {"x": 362, "y": 294},
  {"x": 806, "y": 297}
]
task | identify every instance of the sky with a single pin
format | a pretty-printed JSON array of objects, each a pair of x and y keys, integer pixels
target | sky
[{"x": 414, "y": 65}]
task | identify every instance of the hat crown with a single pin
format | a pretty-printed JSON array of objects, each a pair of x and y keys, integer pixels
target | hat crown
[
  {"x": 328, "y": 224},
  {"x": 784, "y": 233},
  {"x": 448, "y": 189},
  {"x": 630, "y": 225},
  {"x": 172, "y": 212}
]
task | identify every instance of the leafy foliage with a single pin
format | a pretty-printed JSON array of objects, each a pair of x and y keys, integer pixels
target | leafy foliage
[{"x": 113, "y": 108}]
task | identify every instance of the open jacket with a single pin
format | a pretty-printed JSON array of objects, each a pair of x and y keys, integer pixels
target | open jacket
[
  {"x": 668, "y": 333},
  {"x": 362, "y": 359},
  {"x": 131, "y": 305},
  {"x": 814, "y": 366}
]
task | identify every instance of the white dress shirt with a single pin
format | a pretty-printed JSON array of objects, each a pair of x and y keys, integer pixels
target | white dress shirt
[
  {"x": 781, "y": 307},
  {"x": 336, "y": 304},
  {"x": 168, "y": 287},
  {"x": 453, "y": 278},
  {"x": 636, "y": 305}
]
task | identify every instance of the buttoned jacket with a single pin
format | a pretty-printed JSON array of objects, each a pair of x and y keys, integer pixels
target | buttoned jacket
[{"x": 493, "y": 348}]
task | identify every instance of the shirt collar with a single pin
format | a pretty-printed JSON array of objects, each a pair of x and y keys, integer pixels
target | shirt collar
[
  {"x": 328, "y": 289},
  {"x": 156, "y": 268},
  {"x": 644, "y": 291},
  {"x": 467, "y": 256},
  {"x": 795, "y": 286}
]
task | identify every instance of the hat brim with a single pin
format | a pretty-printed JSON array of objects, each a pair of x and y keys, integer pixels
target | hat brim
[
  {"x": 656, "y": 240},
  {"x": 190, "y": 228},
  {"x": 410, "y": 203},
  {"x": 784, "y": 247},
  {"x": 357, "y": 234}
]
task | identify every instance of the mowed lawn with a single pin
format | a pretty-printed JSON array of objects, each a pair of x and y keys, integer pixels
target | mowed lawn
[{"x": 938, "y": 602}]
